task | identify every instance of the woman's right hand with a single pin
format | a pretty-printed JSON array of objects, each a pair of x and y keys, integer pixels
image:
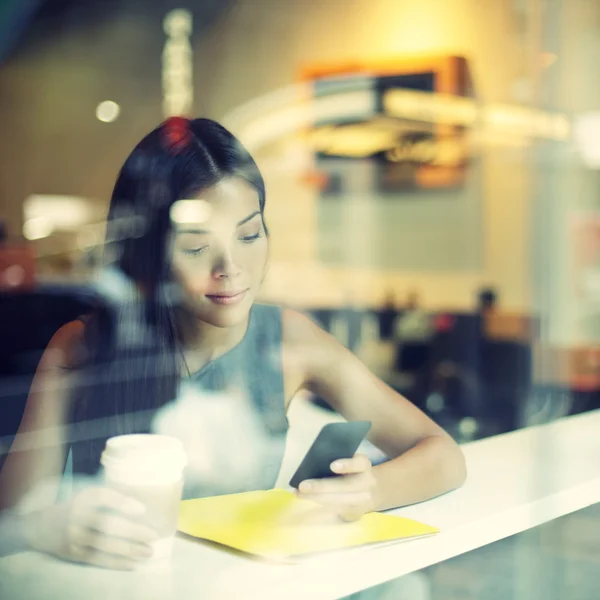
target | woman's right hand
[{"x": 99, "y": 526}]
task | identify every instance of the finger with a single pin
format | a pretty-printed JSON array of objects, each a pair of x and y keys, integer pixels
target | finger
[
  {"x": 342, "y": 500},
  {"x": 335, "y": 485},
  {"x": 116, "y": 546},
  {"x": 111, "y": 561},
  {"x": 106, "y": 499},
  {"x": 351, "y": 515},
  {"x": 359, "y": 463},
  {"x": 85, "y": 542},
  {"x": 118, "y": 527}
]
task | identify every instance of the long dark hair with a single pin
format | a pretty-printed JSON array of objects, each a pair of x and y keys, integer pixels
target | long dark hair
[
  {"x": 175, "y": 161},
  {"x": 133, "y": 355}
]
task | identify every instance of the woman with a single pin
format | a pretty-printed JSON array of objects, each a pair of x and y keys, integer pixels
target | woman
[{"x": 197, "y": 255}]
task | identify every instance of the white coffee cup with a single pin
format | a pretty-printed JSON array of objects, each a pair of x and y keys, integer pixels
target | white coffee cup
[{"x": 149, "y": 468}]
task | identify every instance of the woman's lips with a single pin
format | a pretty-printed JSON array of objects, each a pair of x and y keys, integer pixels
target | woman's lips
[{"x": 227, "y": 298}]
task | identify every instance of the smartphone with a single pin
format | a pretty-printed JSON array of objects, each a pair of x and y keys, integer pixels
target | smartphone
[{"x": 335, "y": 441}]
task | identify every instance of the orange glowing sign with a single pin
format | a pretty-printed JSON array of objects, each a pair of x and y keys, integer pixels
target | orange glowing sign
[{"x": 405, "y": 152}]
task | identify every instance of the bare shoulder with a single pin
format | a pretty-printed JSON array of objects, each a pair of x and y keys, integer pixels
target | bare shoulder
[
  {"x": 310, "y": 349},
  {"x": 303, "y": 341},
  {"x": 298, "y": 328},
  {"x": 65, "y": 347},
  {"x": 293, "y": 319}
]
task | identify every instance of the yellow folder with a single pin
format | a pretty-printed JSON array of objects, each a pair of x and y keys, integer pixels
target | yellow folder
[{"x": 275, "y": 524}]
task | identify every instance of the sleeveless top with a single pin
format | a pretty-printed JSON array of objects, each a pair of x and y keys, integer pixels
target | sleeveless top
[{"x": 231, "y": 414}]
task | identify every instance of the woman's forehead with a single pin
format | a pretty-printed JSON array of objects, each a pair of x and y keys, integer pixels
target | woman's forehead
[
  {"x": 229, "y": 200},
  {"x": 230, "y": 193}
]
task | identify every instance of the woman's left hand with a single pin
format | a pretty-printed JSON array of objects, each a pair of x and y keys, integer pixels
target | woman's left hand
[{"x": 352, "y": 495}]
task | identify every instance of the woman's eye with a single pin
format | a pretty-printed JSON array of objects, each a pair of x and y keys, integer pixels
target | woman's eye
[
  {"x": 194, "y": 251},
  {"x": 250, "y": 238}
]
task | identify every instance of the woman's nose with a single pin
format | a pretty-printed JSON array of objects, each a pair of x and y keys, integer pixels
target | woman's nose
[{"x": 225, "y": 267}]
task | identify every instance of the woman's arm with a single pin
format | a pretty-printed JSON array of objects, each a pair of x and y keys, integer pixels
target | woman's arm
[
  {"x": 99, "y": 526},
  {"x": 425, "y": 460},
  {"x": 38, "y": 452}
]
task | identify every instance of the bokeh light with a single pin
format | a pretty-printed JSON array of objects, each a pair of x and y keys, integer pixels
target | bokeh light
[{"x": 107, "y": 111}]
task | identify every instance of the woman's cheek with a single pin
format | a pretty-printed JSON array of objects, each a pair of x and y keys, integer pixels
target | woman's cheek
[
  {"x": 196, "y": 285},
  {"x": 256, "y": 260},
  {"x": 193, "y": 281}
]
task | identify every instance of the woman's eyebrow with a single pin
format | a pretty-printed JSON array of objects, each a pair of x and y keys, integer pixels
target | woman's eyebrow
[
  {"x": 248, "y": 218},
  {"x": 193, "y": 230}
]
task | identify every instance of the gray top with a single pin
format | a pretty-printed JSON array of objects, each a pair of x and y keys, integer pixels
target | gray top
[
  {"x": 254, "y": 365},
  {"x": 254, "y": 437}
]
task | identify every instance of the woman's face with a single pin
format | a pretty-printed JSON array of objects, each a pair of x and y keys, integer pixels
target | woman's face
[{"x": 219, "y": 251}]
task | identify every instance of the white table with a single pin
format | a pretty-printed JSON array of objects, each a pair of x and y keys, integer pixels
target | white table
[{"x": 516, "y": 481}]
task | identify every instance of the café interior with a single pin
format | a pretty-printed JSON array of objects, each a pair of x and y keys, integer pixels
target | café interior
[{"x": 430, "y": 169}]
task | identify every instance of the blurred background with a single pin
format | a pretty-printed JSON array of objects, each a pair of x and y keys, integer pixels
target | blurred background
[{"x": 432, "y": 181}]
